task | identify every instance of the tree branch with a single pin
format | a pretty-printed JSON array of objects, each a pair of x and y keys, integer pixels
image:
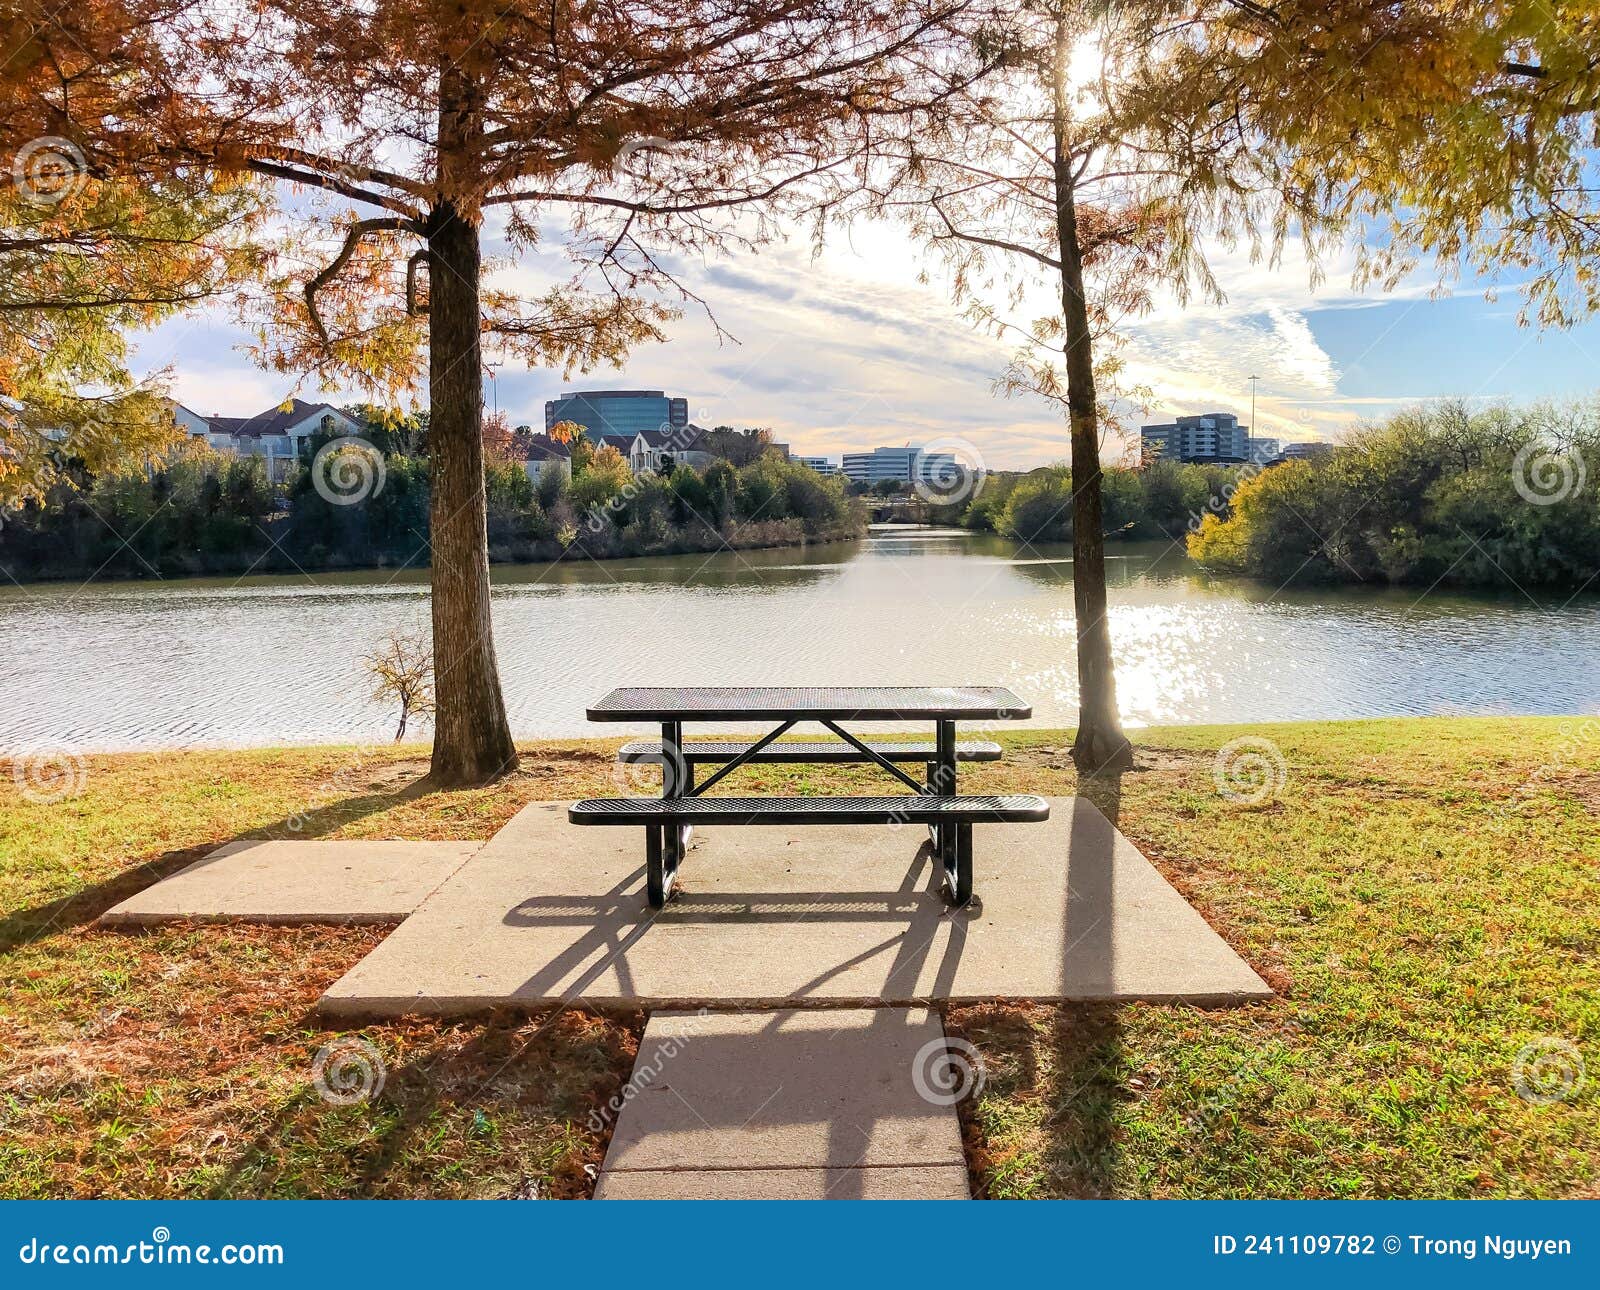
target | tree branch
[
  {"x": 353, "y": 238},
  {"x": 676, "y": 208},
  {"x": 417, "y": 257},
  {"x": 332, "y": 184},
  {"x": 1013, "y": 248}
]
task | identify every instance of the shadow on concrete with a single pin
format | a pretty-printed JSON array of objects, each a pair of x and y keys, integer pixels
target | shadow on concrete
[
  {"x": 547, "y": 914},
  {"x": 914, "y": 912},
  {"x": 848, "y": 1092},
  {"x": 613, "y": 926}
]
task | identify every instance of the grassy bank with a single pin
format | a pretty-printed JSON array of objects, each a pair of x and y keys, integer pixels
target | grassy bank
[{"x": 1423, "y": 894}]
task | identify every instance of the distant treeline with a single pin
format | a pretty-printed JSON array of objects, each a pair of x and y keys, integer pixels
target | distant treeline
[
  {"x": 1159, "y": 500},
  {"x": 1443, "y": 494},
  {"x": 205, "y": 513},
  {"x": 1437, "y": 495}
]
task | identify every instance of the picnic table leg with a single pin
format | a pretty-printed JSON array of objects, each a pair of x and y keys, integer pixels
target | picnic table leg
[
  {"x": 946, "y": 746},
  {"x": 942, "y": 783},
  {"x": 958, "y": 875},
  {"x": 658, "y": 882},
  {"x": 674, "y": 783},
  {"x": 672, "y": 760}
]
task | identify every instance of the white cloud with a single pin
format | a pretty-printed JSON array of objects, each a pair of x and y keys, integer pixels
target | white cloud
[
  {"x": 849, "y": 349},
  {"x": 204, "y": 370}
]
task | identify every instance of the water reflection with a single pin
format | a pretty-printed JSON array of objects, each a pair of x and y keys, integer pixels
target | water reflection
[{"x": 271, "y": 660}]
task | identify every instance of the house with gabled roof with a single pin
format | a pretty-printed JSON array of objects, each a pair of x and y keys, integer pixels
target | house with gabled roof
[
  {"x": 650, "y": 448},
  {"x": 546, "y": 456},
  {"x": 276, "y": 434},
  {"x": 622, "y": 443}
]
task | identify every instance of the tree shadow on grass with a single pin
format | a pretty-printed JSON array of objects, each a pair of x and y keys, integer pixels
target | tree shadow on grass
[
  {"x": 1105, "y": 791},
  {"x": 1086, "y": 1039},
  {"x": 1054, "y": 1075},
  {"x": 23, "y": 927},
  {"x": 521, "y": 1099},
  {"x": 1088, "y": 1057}
]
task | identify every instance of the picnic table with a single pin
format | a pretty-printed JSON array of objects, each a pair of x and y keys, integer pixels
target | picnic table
[{"x": 932, "y": 801}]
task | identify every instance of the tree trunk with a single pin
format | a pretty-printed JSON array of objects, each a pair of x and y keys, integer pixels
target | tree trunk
[
  {"x": 1100, "y": 743},
  {"x": 472, "y": 739}
]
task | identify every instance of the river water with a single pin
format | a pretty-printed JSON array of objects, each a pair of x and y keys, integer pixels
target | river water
[{"x": 278, "y": 660}]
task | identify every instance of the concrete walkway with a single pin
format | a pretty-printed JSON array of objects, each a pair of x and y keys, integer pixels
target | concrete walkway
[
  {"x": 834, "y": 1104},
  {"x": 297, "y": 882},
  {"x": 774, "y": 917}
]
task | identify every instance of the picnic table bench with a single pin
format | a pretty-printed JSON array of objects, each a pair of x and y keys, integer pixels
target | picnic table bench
[{"x": 933, "y": 800}]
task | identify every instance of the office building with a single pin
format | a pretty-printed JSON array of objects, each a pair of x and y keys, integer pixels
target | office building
[
  {"x": 901, "y": 465},
  {"x": 1209, "y": 437},
  {"x": 822, "y": 465},
  {"x": 617, "y": 412}
]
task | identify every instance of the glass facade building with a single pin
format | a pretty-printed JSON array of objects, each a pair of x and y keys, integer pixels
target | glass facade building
[{"x": 624, "y": 412}]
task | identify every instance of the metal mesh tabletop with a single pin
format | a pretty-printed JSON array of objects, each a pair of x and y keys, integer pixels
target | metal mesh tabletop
[
  {"x": 811, "y": 703},
  {"x": 648, "y": 751},
  {"x": 1022, "y": 808}
]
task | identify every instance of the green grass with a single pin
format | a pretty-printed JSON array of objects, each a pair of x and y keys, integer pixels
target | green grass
[{"x": 1424, "y": 896}]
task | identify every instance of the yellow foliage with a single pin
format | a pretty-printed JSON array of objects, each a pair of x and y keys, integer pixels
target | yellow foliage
[{"x": 1463, "y": 132}]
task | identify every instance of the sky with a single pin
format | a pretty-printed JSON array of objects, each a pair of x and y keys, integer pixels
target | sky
[{"x": 848, "y": 350}]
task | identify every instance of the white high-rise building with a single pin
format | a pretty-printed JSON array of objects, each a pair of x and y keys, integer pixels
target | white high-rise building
[
  {"x": 902, "y": 465},
  {"x": 1211, "y": 436}
]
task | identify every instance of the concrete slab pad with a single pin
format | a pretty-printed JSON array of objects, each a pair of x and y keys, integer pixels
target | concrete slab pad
[
  {"x": 772, "y": 917},
  {"x": 298, "y": 882},
  {"x": 944, "y": 1182},
  {"x": 787, "y": 1104}
]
